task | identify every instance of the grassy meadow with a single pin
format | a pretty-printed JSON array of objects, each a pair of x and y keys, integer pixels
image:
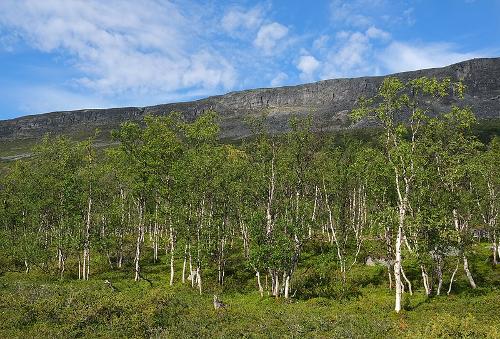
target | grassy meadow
[{"x": 38, "y": 305}]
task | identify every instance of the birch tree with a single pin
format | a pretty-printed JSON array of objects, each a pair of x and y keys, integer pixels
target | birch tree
[
  {"x": 395, "y": 102},
  {"x": 486, "y": 188}
]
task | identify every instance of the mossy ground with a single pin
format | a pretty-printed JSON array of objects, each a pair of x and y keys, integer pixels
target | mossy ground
[{"x": 40, "y": 305}]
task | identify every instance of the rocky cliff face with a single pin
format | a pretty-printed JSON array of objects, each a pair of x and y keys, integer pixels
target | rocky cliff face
[{"x": 329, "y": 102}]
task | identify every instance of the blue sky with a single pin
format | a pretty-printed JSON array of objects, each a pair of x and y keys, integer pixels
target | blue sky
[{"x": 70, "y": 54}]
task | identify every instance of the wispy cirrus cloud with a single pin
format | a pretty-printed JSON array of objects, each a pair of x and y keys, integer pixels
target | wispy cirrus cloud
[
  {"x": 238, "y": 20},
  {"x": 403, "y": 56},
  {"x": 122, "y": 46},
  {"x": 126, "y": 52}
]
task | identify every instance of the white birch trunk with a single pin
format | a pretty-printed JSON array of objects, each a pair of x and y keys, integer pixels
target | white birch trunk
[
  {"x": 192, "y": 275},
  {"x": 171, "y": 255},
  {"x": 452, "y": 278},
  {"x": 140, "y": 231},
  {"x": 120, "y": 254},
  {"x": 407, "y": 281},
  {"x": 269, "y": 221},
  {"x": 198, "y": 278},
  {"x": 440, "y": 276},
  {"x": 261, "y": 291},
  {"x": 184, "y": 265},
  {"x": 467, "y": 272},
  {"x": 276, "y": 285},
  {"x": 495, "y": 248},
  {"x": 287, "y": 285},
  {"x": 155, "y": 236},
  {"x": 397, "y": 271},
  {"x": 390, "y": 276},
  {"x": 86, "y": 244},
  {"x": 61, "y": 263},
  {"x": 425, "y": 279},
  {"x": 122, "y": 208}
]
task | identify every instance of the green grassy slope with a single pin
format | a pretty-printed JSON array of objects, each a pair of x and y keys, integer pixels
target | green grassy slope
[{"x": 40, "y": 305}]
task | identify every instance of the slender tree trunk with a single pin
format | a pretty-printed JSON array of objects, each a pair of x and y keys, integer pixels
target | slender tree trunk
[
  {"x": 59, "y": 258},
  {"x": 407, "y": 281},
  {"x": 198, "y": 278},
  {"x": 140, "y": 235},
  {"x": 88, "y": 264},
  {"x": 397, "y": 269},
  {"x": 425, "y": 279},
  {"x": 440, "y": 275},
  {"x": 172, "y": 244},
  {"x": 498, "y": 248},
  {"x": 62, "y": 265},
  {"x": 269, "y": 221},
  {"x": 276, "y": 285},
  {"x": 313, "y": 217},
  {"x": 110, "y": 262},
  {"x": 221, "y": 263},
  {"x": 467, "y": 272},
  {"x": 192, "y": 273},
  {"x": 155, "y": 235},
  {"x": 120, "y": 232},
  {"x": 390, "y": 276},
  {"x": 86, "y": 243},
  {"x": 60, "y": 262},
  {"x": 334, "y": 239},
  {"x": 495, "y": 248},
  {"x": 244, "y": 236},
  {"x": 287, "y": 285},
  {"x": 120, "y": 250},
  {"x": 452, "y": 278},
  {"x": 184, "y": 265},
  {"x": 261, "y": 291}
]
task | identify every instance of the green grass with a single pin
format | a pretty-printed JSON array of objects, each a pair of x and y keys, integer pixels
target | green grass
[
  {"x": 74, "y": 309},
  {"x": 40, "y": 305},
  {"x": 16, "y": 147}
]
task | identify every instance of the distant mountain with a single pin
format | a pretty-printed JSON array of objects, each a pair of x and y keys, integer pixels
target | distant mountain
[{"x": 329, "y": 102}]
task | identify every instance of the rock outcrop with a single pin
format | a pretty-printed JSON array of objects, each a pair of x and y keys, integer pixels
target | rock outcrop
[{"x": 329, "y": 102}]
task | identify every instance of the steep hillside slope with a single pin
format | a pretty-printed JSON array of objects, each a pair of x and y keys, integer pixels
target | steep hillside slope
[{"x": 329, "y": 102}]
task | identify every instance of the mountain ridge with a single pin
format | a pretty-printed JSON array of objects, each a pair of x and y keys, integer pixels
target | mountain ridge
[{"x": 328, "y": 101}]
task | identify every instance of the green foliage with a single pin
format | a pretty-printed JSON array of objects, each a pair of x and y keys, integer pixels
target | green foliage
[
  {"x": 303, "y": 211},
  {"x": 35, "y": 305}
]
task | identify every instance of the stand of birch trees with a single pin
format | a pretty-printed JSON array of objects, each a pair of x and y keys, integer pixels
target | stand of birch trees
[{"x": 421, "y": 188}]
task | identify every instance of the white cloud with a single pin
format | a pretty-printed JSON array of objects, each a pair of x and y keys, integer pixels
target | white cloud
[
  {"x": 351, "y": 13},
  {"x": 375, "y": 33},
  {"x": 401, "y": 56},
  {"x": 237, "y": 19},
  {"x": 146, "y": 47},
  {"x": 321, "y": 42},
  {"x": 269, "y": 35},
  {"x": 373, "y": 52},
  {"x": 361, "y": 14},
  {"x": 279, "y": 79},
  {"x": 349, "y": 57},
  {"x": 307, "y": 65}
]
